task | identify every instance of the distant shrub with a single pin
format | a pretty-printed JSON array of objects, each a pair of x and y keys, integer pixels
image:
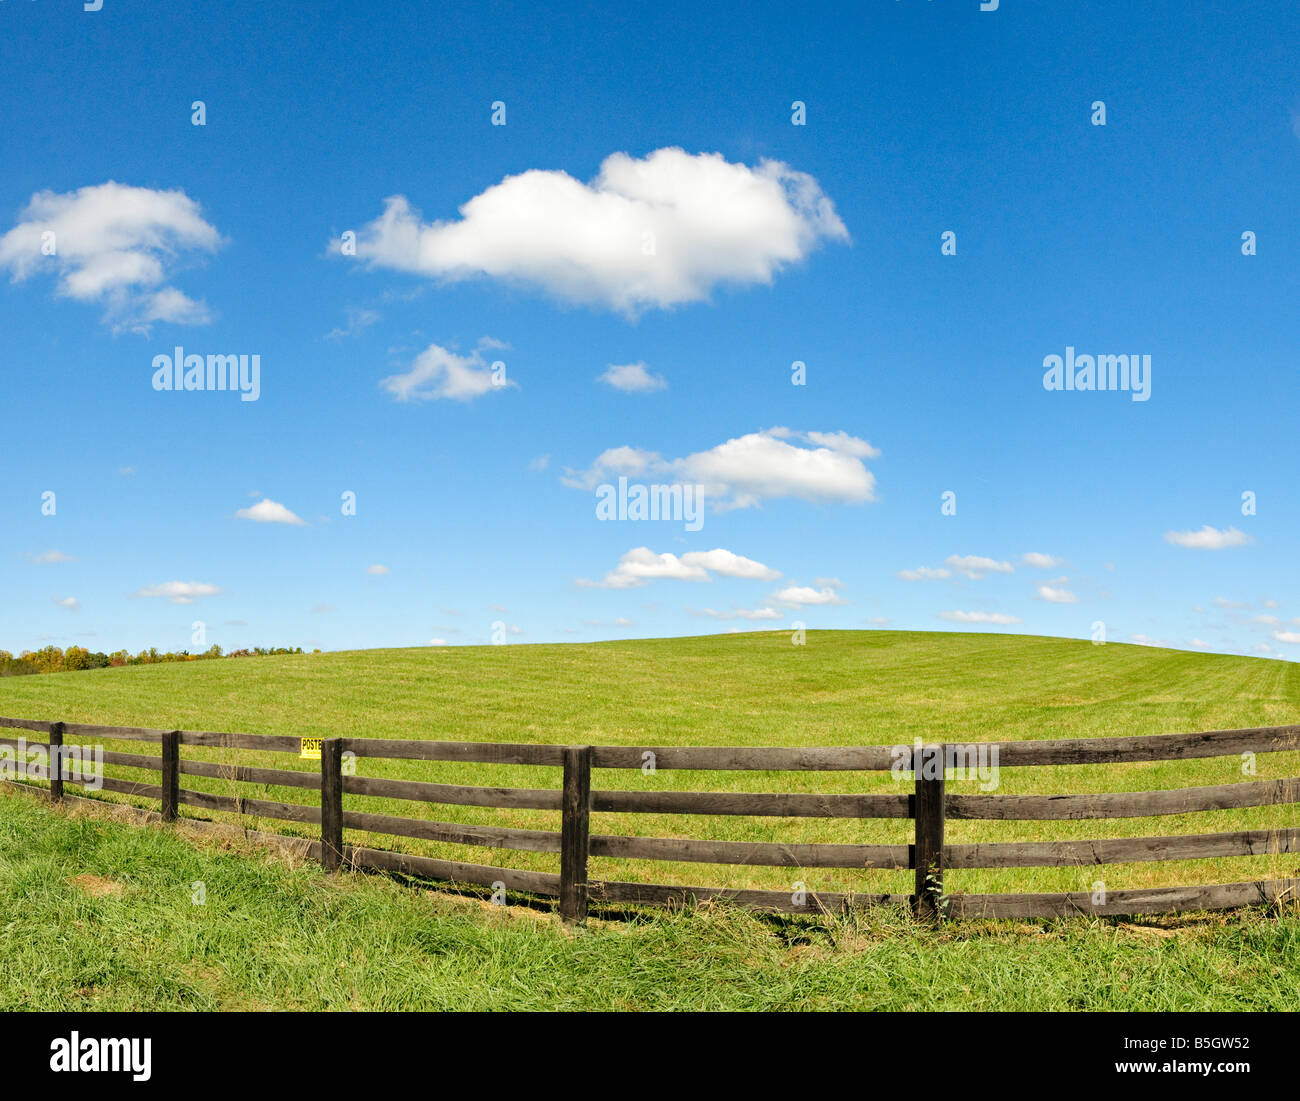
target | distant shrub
[{"x": 53, "y": 659}]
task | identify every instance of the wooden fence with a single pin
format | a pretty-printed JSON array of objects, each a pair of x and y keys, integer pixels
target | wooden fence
[{"x": 929, "y": 805}]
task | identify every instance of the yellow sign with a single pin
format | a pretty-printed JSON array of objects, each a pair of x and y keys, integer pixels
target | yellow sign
[{"x": 310, "y": 749}]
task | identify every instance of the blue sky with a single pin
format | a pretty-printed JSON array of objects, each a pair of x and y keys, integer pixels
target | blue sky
[{"x": 772, "y": 243}]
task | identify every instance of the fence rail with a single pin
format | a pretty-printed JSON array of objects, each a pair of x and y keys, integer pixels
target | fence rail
[{"x": 929, "y": 805}]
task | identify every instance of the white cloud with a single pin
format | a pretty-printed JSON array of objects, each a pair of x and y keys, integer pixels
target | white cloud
[
  {"x": 437, "y": 642},
  {"x": 1038, "y": 561},
  {"x": 739, "y": 613},
  {"x": 746, "y": 470},
  {"x": 924, "y": 573},
  {"x": 540, "y": 463},
  {"x": 180, "y": 592},
  {"x": 1287, "y": 636},
  {"x": 1055, "y": 595},
  {"x": 979, "y": 617},
  {"x": 842, "y": 443},
  {"x": 1146, "y": 640},
  {"x": 623, "y": 621},
  {"x": 730, "y": 565},
  {"x": 655, "y": 232},
  {"x": 377, "y": 570},
  {"x": 69, "y": 602},
  {"x": 267, "y": 511},
  {"x": 801, "y": 595},
  {"x": 630, "y": 461},
  {"x": 633, "y": 378},
  {"x": 113, "y": 244},
  {"x": 641, "y": 565},
  {"x": 1208, "y": 538},
  {"x": 438, "y": 373},
  {"x": 51, "y": 557},
  {"x": 358, "y": 322},
  {"x": 975, "y": 567}
]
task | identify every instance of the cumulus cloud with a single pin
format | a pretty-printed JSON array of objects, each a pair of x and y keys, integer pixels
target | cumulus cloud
[
  {"x": 802, "y": 595},
  {"x": 377, "y": 570},
  {"x": 924, "y": 573},
  {"x": 979, "y": 617},
  {"x": 69, "y": 602},
  {"x": 641, "y": 565},
  {"x": 267, "y": 511},
  {"x": 746, "y": 470},
  {"x": 1287, "y": 636},
  {"x": 51, "y": 557},
  {"x": 113, "y": 244},
  {"x": 649, "y": 233},
  {"x": 179, "y": 592},
  {"x": 438, "y": 373},
  {"x": 632, "y": 378},
  {"x": 1055, "y": 595},
  {"x": 1208, "y": 538},
  {"x": 730, "y": 565},
  {"x": 975, "y": 567},
  {"x": 739, "y": 613},
  {"x": 1037, "y": 561}
]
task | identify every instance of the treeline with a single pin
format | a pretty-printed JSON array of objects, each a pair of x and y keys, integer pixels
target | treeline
[{"x": 53, "y": 659}]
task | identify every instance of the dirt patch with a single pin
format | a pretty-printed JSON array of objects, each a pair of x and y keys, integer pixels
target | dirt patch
[{"x": 96, "y": 885}]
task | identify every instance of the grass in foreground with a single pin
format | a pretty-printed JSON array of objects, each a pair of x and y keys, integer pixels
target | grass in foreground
[{"x": 98, "y": 914}]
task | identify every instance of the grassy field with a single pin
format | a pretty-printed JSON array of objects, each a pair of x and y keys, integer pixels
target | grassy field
[
  {"x": 266, "y": 938},
  {"x": 842, "y": 688}
]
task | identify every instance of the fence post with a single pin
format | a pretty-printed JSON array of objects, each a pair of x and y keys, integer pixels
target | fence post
[
  {"x": 331, "y": 803},
  {"x": 56, "y": 762},
  {"x": 928, "y": 850},
  {"x": 575, "y": 828},
  {"x": 171, "y": 774}
]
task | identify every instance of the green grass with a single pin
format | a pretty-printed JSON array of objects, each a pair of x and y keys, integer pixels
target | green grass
[
  {"x": 99, "y": 914},
  {"x": 842, "y": 688}
]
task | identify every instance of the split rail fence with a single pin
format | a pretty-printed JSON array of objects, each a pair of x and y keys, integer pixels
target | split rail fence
[{"x": 929, "y": 805}]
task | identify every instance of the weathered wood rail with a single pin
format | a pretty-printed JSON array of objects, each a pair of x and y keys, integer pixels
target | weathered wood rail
[{"x": 929, "y": 805}]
